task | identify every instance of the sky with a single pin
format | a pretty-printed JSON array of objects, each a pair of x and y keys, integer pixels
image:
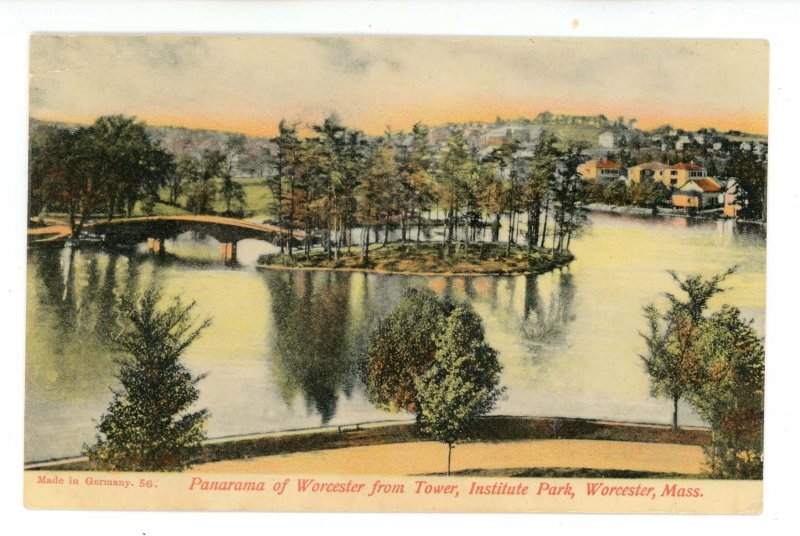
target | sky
[{"x": 248, "y": 84}]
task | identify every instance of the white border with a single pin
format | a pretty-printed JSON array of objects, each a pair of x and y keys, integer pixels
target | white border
[{"x": 773, "y": 20}]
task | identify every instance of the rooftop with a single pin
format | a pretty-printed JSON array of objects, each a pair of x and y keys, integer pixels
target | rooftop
[
  {"x": 605, "y": 164},
  {"x": 652, "y": 165},
  {"x": 707, "y": 185},
  {"x": 689, "y": 166}
]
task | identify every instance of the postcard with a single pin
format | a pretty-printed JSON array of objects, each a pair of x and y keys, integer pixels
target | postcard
[{"x": 396, "y": 274}]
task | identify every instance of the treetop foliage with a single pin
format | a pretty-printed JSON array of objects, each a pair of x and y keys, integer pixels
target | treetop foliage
[
  {"x": 698, "y": 291},
  {"x": 461, "y": 384},
  {"x": 149, "y": 424},
  {"x": 402, "y": 348}
]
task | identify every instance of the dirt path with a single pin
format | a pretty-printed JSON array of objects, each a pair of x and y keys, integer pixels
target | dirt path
[{"x": 428, "y": 457}]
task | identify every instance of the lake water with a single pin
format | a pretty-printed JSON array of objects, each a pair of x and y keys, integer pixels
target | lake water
[{"x": 281, "y": 352}]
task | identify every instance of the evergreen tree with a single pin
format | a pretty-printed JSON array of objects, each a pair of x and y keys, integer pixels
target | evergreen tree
[
  {"x": 286, "y": 182},
  {"x": 418, "y": 166},
  {"x": 455, "y": 175},
  {"x": 536, "y": 189},
  {"x": 371, "y": 192},
  {"x": 149, "y": 425},
  {"x": 568, "y": 196}
]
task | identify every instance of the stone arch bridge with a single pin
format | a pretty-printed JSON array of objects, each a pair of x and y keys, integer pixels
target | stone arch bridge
[{"x": 156, "y": 229}]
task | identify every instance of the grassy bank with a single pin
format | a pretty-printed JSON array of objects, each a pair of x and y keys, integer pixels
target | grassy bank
[
  {"x": 491, "y": 429},
  {"x": 564, "y": 472},
  {"x": 494, "y": 429},
  {"x": 429, "y": 258}
]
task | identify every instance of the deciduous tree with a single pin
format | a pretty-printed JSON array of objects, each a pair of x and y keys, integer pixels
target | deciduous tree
[
  {"x": 402, "y": 349},
  {"x": 750, "y": 171},
  {"x": 202, "y": 193},
  {"x": 729, "y": 393},
  {"x": 107, "y": 166},
  {"x": 462, "y": 383},
  {"x": 673, "y": 360}
]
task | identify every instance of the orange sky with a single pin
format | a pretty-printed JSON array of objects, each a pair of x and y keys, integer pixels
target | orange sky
[{"x": 248, "y": 84}]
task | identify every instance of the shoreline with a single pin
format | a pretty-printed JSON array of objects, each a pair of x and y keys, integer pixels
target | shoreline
[
  {"x": 427, "y": 259},
  {"x": 402, "y": 273},
  {"x": 646, "y": 213},
  {"x": 493, "y": 429}
]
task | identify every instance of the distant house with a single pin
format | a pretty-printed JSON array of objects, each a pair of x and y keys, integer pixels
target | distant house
[
  {"x": 607, "y": 140},
  {"x": 645, "y": 171},
  {"x": 682, "y": 142},
  {"x": 697, "y": 194},
  {"x": 438, "y": 135},
  {"x": 523, "y": 134},
  {"x": 595, "y": 170},
  {"x": 676, "y": 176}
]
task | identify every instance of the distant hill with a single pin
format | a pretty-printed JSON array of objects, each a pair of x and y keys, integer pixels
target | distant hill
[{"x": 255, "y": 156}]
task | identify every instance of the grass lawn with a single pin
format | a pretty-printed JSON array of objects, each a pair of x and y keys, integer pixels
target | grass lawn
[
  {"x": 574, "y": 133},
  {"x": 258, "y": 201},
  {"x": 258, "y": 198},
  {"x": 161, "y": 209}
]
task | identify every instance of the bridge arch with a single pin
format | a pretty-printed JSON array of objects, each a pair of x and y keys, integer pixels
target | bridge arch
[{"x": 155, "y": 229}]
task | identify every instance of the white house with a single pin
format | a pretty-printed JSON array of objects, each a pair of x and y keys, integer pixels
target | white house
[{"x": 607, "y": 140}]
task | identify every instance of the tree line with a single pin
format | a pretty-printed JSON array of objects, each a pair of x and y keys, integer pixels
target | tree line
[
  {"x": 105, "y": 169},
  {"x": 339, "y": 179},
  {"x": 326, "y": 184}
]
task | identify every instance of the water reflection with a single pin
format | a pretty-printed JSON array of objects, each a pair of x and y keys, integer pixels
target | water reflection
[
  {"x": 311, "y": 353},
  {"x": 545, "y": 321},
  {"x": 72, "y": 297}
]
